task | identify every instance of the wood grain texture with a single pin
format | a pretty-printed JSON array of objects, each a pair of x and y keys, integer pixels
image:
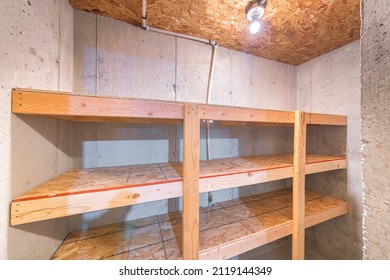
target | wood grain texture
[
  {"x": 223, "y": 239},
  {"x": 91, "y": 108},
  {"x": 225, "y": 113},
  {"x": 293, "y": 31},
  {"x": 86, "y": 108},
  {"x": 325, "y": 119},
  {"x": 82, "y": 191},
  {"x": 191, "y": 141},
  {"x": 298, "y": 234}
]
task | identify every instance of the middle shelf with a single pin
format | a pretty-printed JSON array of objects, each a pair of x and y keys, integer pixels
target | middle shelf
[{"x": 86, "y": 190}]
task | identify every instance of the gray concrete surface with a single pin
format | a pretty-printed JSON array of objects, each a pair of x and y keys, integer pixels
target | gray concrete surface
[
  {"x": 127, "y": 63},
  {"x": 36, "y": 51},
  {"x": 113, "y": 58},
  {"x": 331, "y": 84},
  {"x": 375, "y": 106}
]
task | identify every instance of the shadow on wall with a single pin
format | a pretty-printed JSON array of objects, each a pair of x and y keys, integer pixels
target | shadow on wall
[
  {"x": 40, "y": 150},
  {"x": 43, "y": 148},
  {"x": 338, "y": 238}
]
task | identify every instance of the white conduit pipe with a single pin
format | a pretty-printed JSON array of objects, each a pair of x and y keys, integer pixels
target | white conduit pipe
[
  {"x": 170, "y": 33},
  {"x": 208, "y": 97},
  {"x": 143, "y": 15},
  {"x": 213, "y": 44}
]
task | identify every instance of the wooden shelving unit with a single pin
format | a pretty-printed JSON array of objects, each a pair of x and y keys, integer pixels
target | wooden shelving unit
[
  {"x": 81, "y": 191},
  {"x": 226, "y": 229}
]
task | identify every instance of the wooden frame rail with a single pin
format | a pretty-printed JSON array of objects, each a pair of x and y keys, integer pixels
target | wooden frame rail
[{"x": 84, "y": 108}]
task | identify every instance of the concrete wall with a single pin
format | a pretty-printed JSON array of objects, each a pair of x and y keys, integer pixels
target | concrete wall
[
  {"x": 36, "y": 51},
  {"x": 117, "y": 59},
  {"x": 331, "y": 84},
  {"x": 375, "y": 104},
  {"x": 112, "y": 58}
]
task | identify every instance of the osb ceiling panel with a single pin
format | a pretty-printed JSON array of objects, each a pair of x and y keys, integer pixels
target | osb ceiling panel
[{"x": 293, "y": 32}]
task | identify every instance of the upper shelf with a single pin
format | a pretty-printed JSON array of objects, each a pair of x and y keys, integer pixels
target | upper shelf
[
  {"x": 68, "y": 106},
  {"x": 82, "y": 191}
]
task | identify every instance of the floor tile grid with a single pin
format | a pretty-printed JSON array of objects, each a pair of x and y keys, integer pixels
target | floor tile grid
[
  {"x": 132, "y": 226},
  {"x": 159, "y": 225},
  {"x": 128, "y": 175},
  {"x": 306, "y": 200},
  {"x": 162, "y": 239}
]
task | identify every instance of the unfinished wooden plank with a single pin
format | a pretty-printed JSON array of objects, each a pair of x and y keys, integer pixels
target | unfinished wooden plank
[
  {"x": 225, "y": 239},
  {"x": 191, "y": 139},
  {"x": 44, "y": 103},
  {"x": 82, "y": 191},
  {"x": 298, "y": 230},
  {"x": 116, "y": 119},
  {"x": 319, "y": 209},
  {"x": 220, "y": 170},
  {"x": 100, "y": 247},
  {"x": 216, "y": 183},
  {"x": 246, "y": 243},
  {"x": 27, "y": 211},
  {"x": 325, "y": 119},
  {"x": 255, "y": 124},
  {"x": 317, "y": 167},
  {"x": 236, "y": 114},
  {"x": 269, "y": 231}
]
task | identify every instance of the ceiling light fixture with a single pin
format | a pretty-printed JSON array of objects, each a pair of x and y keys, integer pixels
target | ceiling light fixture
[{"x": 254, "y": 11}]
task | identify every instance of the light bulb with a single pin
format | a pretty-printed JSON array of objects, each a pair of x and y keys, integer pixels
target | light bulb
[{"x": 254, "y": 27}]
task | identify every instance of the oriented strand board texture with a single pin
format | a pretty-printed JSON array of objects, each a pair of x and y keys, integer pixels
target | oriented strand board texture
[
  {"x": 95, "y": 179},
  {"x": 293, "y": 31},
  {"x": 160, "y": 237}
]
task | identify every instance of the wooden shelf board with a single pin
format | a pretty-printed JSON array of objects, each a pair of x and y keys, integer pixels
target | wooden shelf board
[
  {"x": 225, "y": 113},
  {"x": 92, "y": 108},
  {"x": 325, "y": 119},
  {"x": 226, "y": 229},
  {"x": 87, "y": 190}
]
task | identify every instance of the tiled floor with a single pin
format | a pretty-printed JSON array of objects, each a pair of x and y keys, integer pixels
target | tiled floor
[{"x": 159, "y": 237}]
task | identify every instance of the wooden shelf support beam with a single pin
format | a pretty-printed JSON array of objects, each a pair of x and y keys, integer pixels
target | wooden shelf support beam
[
  {"x": 191, "y": 136},
  {"x": 298, "y": 232}
]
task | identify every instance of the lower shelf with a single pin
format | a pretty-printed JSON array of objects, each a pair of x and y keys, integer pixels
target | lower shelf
[{"x": 226, "y": 229}]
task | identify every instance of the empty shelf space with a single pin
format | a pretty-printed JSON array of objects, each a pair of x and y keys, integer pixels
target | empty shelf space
[
  {"x": 226, "y": 229},
  {"x": 86, "y": 190}
]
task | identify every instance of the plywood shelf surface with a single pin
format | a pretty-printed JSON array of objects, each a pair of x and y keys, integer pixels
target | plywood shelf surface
[
  {"x": 81, "y": 191},
  {"x": 226, "y": 229}
]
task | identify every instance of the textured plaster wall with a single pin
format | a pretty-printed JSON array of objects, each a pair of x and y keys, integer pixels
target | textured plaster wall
[
  {"x": 36, "y": 51},
  {"x": 117, "y": 59},
  {"x": 375, "y": 106},
  {"x": 331, "y": 84}
]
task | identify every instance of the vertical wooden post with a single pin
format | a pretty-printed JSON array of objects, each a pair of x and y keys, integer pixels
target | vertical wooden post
[
  {"x": 298, "y": 232},
  {"x": 191, "y": 136}
]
